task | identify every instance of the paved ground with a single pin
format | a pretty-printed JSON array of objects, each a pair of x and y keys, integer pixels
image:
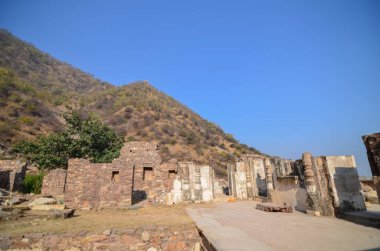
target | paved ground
[
  {"x": 371, "y": 217},
  {"x": 239, "y": 226}
]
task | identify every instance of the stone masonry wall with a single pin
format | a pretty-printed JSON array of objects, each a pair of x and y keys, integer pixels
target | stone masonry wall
[
  {"x": 192, "y": 183},
  {"x": 345, "y": 185},
  {"x": 90, "y": 185},
  {"x": 54, "y": 183},
  {"x": 372, "y": 143},
  {"x": 289, "y": 192},
  {"x": 324, "y": 199},
  {"x": 317, "y": 185},
  {"x": 136, "y": 175},
  {"x": 12, "y": 174}
]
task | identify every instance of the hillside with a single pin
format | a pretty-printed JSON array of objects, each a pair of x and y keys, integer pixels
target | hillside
[{"x": 35, "y": 89}]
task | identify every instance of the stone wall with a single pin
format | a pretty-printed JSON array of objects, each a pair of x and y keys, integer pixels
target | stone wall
[
  {"x": 372, "y": 144},
  {"x": 345, "y": 183},
  {"x": 193, "y": 183},
  {"x": 322, "y": 200},
  {"x": 135, "y": 176},
  {"x": 148, "y": 178},
  {"x": 54, "y": 183},
  {"x": 368, "y": 187},
  {"x": 220, "y": 187},
  {"x": 317, "y": 185},
  {"x": 247, "y": 177},
  {"x": 288, "y": 192},
  {"x": 90, "y": 185},
  {"x": 12, "y": 174}
]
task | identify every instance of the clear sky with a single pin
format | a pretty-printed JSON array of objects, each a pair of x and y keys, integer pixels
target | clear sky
[{"x": 283, "y": 76}]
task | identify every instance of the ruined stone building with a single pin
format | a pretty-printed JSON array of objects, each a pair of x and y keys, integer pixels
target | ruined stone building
[
  {"x": 317, "y": 185},
  {"x": 137, "y": 175},
  {"x": 12, "y": 174},
  {"x": 372, "y": 143}
]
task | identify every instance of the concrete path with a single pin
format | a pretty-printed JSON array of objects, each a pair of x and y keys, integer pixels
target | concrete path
[{"x": 239, "y": 226}]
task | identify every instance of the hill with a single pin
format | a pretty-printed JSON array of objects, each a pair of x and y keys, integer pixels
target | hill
[{"x": 35, "y": 89}]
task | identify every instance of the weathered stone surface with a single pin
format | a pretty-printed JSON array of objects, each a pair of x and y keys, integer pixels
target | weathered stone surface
[
  {"x": 107, "y": 232},
  {"x": 270, "y": 207},
  {"x": 54, "y": 183},
  {"x": 137, "y": 175},
  {"x": 14, "y": 201},
  {"x": 171, "y": 240},
  {"x": 12, "y": 174},
  {"x": 42, "y": 201},
  {"x": 51, "y": 242},
  {"x": 65, "y": 213},
  {"x": 73, "y": 249},
  {"x": 48, "y": 207},
  {"x": 25, "y": 240},
  {"x": 372, "y": 144},
  {"x": 197, "y": 247},
  {"x": 247, "y": 178},
  {"x": 34, "y": 236},
  {"x": 371, "y": 197},
  {"x": 319, "y": 185},
  {"x": 145, "y": 236},
  {"x": 10, "y": 213},
  {"x": 5, "y": 242},
  {"x": 344, "y": 179}
]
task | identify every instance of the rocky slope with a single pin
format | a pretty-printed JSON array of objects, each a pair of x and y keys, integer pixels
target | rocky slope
[{"x": 35, "y": 89}]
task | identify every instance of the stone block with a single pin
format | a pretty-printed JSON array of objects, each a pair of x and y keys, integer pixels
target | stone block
[
  {"x": 48, "y": 207},
  {"x": 42, "y": 201}
]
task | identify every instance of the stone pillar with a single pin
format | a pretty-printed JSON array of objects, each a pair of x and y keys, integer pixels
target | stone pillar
[
  {"x": 372, "y": 143},
  {"x": 312, "y": 196},
  {"x": 232, "y": 180},
  {"x": 268, "y": 177},
  {"x": 252, "y": 190}
]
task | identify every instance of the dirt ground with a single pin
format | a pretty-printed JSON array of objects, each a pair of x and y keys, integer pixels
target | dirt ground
[
  {"x": 98, "y": 221},
  {"x": 239, "y": 226},
  {"x": 229, "y": 226}
]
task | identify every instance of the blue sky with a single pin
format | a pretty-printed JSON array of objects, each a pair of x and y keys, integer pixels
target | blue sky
[{"x": 283, "y": 76}]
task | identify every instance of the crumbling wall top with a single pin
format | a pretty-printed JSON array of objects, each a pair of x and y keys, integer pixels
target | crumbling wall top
[
  {"x": 372, "y": 141},
  {"x": 11, "y": 165},
  {"x": 139, "y": 152}
]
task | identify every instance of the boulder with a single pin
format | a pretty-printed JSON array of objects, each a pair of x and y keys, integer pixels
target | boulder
[
  {"x": 65, "y": 213},
  {"x": 10, "y": 214},
  {"x": 15, "y": 201},
  {"x": 145, "y": 236},
  {"x": 107, "y": 232}
]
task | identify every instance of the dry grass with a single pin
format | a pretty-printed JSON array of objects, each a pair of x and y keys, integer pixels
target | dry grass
[{"x": 98, "y": 221}]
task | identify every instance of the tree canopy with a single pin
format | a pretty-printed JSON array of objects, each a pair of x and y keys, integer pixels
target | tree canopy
[{"x": 82, "y": 138}]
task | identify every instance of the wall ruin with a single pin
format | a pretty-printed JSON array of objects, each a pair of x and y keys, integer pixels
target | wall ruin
[
  {"x": 247, "y": 177},
  {"x": 12, "y": 174},
  {"x": 320, "y": 185},
  {"x": 193, "y": 183},
  {"x": 137, "y": 175},
  {"x": 54, "y": 183},
  {"x": 372, "y": 144}
]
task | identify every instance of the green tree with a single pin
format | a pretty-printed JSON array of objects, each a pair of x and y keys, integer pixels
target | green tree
[{"x": 82, "y": 138}]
